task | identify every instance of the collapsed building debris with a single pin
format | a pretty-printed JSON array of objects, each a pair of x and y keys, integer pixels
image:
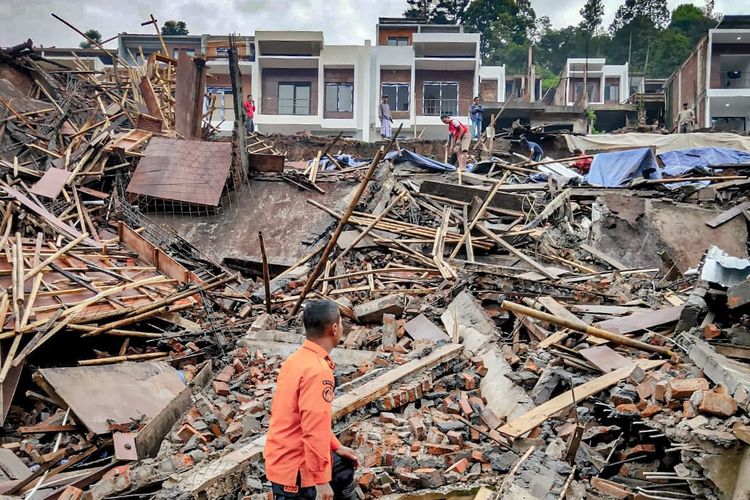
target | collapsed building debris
[{"x": 519, "y": 330}]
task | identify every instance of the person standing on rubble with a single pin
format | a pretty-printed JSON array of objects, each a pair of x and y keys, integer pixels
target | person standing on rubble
[
  {"x": 303, "y": 457},
  {"x": 685, "y": 119},
  {"x": 476, "y": 111},
  {"x": 533, "y": 150},
  {"x": 459, "y": 139},
  {"x": 249, "y": 106},
  {"x": 582, "y": 164},
  {"x": 384, "y": 115}
]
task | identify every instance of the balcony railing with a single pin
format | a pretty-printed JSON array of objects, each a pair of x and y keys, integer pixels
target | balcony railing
[{"x": 734, "y": 83}]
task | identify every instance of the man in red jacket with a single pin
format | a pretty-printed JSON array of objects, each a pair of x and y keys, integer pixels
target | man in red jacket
[
  {"x": 303, "y": 457},
  {"x": 249, "y": 106},
  {"x": 459, "y": 139}
]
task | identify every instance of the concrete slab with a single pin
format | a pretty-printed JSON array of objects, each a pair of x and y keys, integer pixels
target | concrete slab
[
  {"x": 637, "y": 229},
  {"x": 291, "y": 227}
]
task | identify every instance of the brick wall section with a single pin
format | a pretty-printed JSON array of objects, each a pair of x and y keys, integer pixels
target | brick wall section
[
  {"x": 397, "y": 76},
  {"x": 488, "y": 90},
  {"x": 394, "y": 32},
  {"x": 688, "y": 85},
  {"x": 270, "y": 79},
  {"x": 335, "y": 75},
  {"x": 465, "y": 81}
]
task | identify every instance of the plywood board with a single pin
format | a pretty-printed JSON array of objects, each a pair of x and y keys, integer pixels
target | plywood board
[
  {"x": 641, "y": 320},
  {"x": 51, "y": 184}
]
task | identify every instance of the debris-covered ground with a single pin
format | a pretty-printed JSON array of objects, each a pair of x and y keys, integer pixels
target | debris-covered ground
[{"x": 516, "y": 331}]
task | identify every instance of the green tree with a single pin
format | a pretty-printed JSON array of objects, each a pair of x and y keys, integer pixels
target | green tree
[
  {"x": 92, "y": 34},
  {"x": 691, "y": 22},
  {"x": 591, "y": 15},
  {"x": 437, "y": 11},
  {"x": 656, "y": 10},
  {"x": 503, "y": 24},
  {"x": 418, "y": 9},
  {"x": 174, "y": 28},
  {"x": 668, "y": 51}
]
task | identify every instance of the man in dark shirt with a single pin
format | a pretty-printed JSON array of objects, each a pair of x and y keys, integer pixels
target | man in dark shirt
[
  {"x": 475, "y": 111},
  {"x": 532, "y": 149}
]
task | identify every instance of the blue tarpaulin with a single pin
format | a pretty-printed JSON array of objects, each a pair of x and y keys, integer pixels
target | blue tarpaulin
[
  {"x": 702, "y": 158},
  {"x": 618, "y": 167},
  {"x": 420, "y": 161}
]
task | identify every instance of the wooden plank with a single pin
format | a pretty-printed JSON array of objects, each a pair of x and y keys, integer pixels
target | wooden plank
[
  {"x": 728, "y": 215},
  {"x": 149, "y": 438},
  {"x": 603, "y": 257},
  {"x": 551, "y": 207},
  {"x": 530, "y": 420},
  {"x": 554, "y": 307},
  {"x": 370, "y": 391},
  {"x": 641, "y": 320}
]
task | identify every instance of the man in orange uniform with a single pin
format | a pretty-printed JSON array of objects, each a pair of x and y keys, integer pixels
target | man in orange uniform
[{"x": 303, "y": 457}]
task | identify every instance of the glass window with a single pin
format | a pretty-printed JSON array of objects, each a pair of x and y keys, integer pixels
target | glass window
[
  {"x": 340, "y": 97},
  {"x": 294, "y": 98},
  {"x": 579, "y": 91},
  {"x": 398, "y": 40},
  {"x": 612, "y": 92},
  {"x": 398, "y": 95},
  {"x": 440, "y": 98}
]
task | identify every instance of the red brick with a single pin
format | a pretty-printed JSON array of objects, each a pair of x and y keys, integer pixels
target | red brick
[
  {"x": 650, "y": 411},
  {"x": 223, "y": 377},
  {"x": 186, "y": 432},
  {"x": 118, "y": 478},
  {"x": 466, "y": 381},
  {"x": 660, "y": 391},
  {"x": 183, "y": 460},
  {"x": 459, "y": 466},
  {"x": 712, "y": 403},
  {"x": 440, "y": 449},
  {"x": 456, "y": 437},
  {"x": 71, "y": 493},
  {"x": 366, "y": 480},
  {"x": 417, "y": 428},
  {"x": 627, "y": 408},
  {"x": 478, "y": 456},
  {"x": 711, "y": 331},
  {"x": 640, "y": 449},
  {"x": 238, "y": 366},
  {"x": 684, "y": 388},
  {"x": 221, "y": 388}
]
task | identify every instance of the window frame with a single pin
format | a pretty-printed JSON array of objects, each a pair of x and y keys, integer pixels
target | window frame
[
  {"x": 338, "y": 86},
  {"x": 441, "y": 108},
  {"x": 397, "y": 39},
  {"x": 395, "y": 102},
  {"x": 295, "y": 86}
]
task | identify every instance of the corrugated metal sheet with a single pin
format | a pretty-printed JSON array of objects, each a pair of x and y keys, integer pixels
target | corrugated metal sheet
[
  {"x": 720, "y": 267},
  {"x": 187, "y": 171}
]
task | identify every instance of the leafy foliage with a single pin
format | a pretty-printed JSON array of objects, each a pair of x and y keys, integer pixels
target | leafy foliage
[
  {"x": 92, "y": 34},
  {"x": 174, "y": 28},
  {"x": 644, "y": 33}
]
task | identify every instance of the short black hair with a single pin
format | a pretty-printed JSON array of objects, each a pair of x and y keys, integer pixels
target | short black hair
[
  {"x": 445, "y": 115},
  {"x": 577, "y": 152},
  {"x": 318, "y": 316},
  {"x": 684, "y": 104},
  {"x": 385, "y": 97},
  {"x": 524, "y": 140}
]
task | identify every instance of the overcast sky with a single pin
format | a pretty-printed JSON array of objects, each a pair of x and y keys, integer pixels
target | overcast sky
[{"x": 342, "y": 21}]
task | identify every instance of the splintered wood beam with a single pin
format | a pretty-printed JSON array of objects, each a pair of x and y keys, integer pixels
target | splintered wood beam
[{"x": 531, "y": 419}]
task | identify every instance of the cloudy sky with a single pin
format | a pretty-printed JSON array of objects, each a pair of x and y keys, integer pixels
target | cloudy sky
[{"x": 342, "y": 21}]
